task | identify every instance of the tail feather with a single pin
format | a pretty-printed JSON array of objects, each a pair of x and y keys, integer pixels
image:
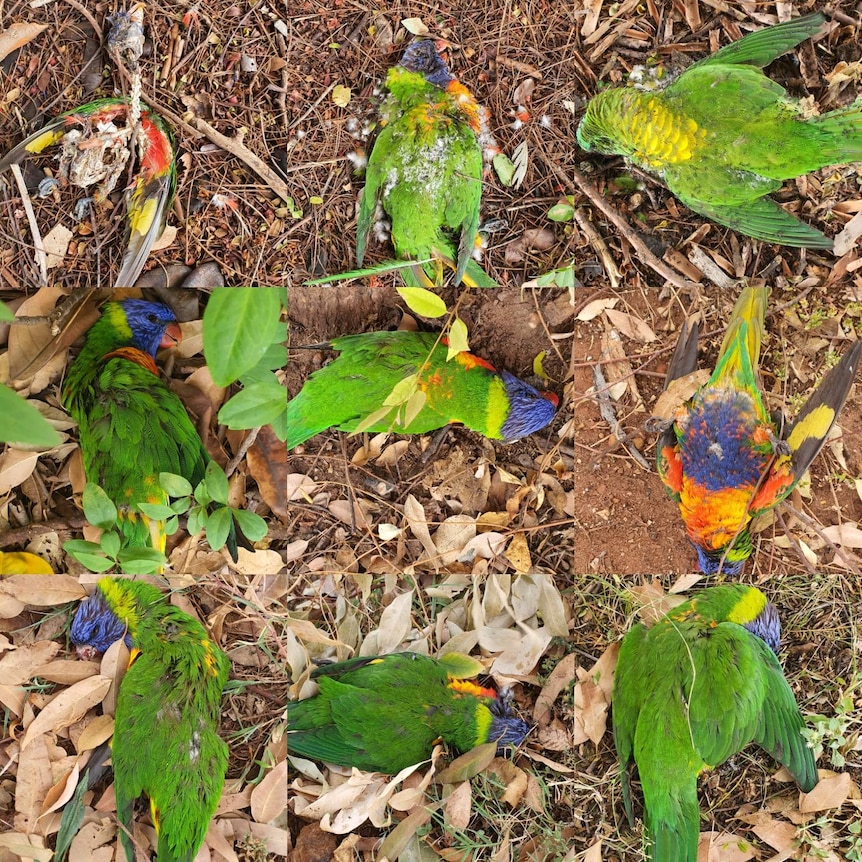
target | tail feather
[
  {"x": 740, "y": 350},
  {"x": 840, "y": 135},
  {"x": 673, "y": 834}
]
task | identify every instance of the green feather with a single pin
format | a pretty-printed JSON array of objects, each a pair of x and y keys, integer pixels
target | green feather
[
  {"x": 384, "y": 713},
  {"x": 166, "y": 743},
  {"x": 722, "y": 135},
  {"x": 689, "y": 693}
]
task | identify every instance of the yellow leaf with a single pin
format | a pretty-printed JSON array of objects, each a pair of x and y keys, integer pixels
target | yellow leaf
[
  {"x": 458, "y": 342},
  {"x": 341, "y": 95},
  {"x": 422, "y": 301}
]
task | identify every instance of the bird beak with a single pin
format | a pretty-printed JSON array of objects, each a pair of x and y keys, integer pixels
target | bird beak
[{"x": 172, "y": 337}]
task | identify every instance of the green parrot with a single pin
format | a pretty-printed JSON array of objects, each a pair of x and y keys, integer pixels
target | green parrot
[
  {"x": 425, "y": 171},
  {"x": 722, "y": 135},
  {"x": 467, "y": 390},
  {"x": 383, "y": 713},
  {"x": 166, "y": 741},
  {"x": 148, "y": 199},
  {"x": 132, "y": 426},
  {"x": 693, "y": 691}
]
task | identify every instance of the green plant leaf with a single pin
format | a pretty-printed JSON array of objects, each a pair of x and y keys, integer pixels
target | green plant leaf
[
  {"x": 99, "y": 509},
  {"x": 218, "y": 527},
  {"x": 23, "y": 423},
  {"x": 258, "y": 404},
  {"x": 252, "y": 525},
  {"x": 217, "y": 483},
  {"x": 240, "y": 324}
]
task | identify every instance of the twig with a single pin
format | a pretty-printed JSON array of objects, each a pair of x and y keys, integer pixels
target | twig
[
  {"x": 246, "y": 444},
  {"x": 601, "y": 247},
  {"x": 237, "y": 148},
  {"x": 606, "y": 408},
  {"x": 630, "y": 235},
  {"x": 38, "y": 246}
]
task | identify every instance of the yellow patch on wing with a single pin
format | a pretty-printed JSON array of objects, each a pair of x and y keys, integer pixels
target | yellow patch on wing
[
  {"x": 813, "y": 426},
  {"x": 141, "y": 216},
  {"x": 46, "y": 139},
  {"x": 209, "y": 657}
]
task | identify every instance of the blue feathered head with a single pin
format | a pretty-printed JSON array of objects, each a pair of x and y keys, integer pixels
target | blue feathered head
[
  {"x": 153, "y": 325},
  {"x": 424, "y": 59},
  {"x": 529, "y": 409}
]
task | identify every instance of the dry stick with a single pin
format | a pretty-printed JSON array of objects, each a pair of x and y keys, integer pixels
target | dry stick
[
  {"x": 598, "y": 243},
  {"x": 630, "y": 235},
  {"x": 247, "y": 443},
  {"x": 236, "y": 148},
  {"x": 38, "y": 246},
  {"x": 233, "y": 145}
]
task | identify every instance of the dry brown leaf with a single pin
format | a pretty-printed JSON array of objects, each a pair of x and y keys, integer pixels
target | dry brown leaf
[
  {"x": 17, "y": 35},
  {"x": 20, "y": 665},
  {"x": 44, "y": 591},
  {"x": 457, "y": 810},
  {"x": 828, "y": 793},
  {"x": 518, "y": 554},
  {"x": 67, "y": 671},
  {"x": 268, "y": 799},
  {"x": 267, "y": 464},
  {"x": 467, "y": 765},
  {"x": 631, "y": 326},
  {"x": 591, "y": 710},
  {"x": 99, "y": 730},
  {"x": 558, "y": 681},
  {"x": 16, "y": 466},
  {"x": 55, "y": 243},
  {"x": 69, "y": 706},
  {"x": 723, "y": 847}
]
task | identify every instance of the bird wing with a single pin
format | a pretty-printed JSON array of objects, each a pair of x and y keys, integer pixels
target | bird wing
[
  {"x": 780, "y": 727},
  {"x": 726, "y": 685},
  {"x": 149, "y": 201},
  {"x": 760, "y": 218},
  {"x": 808, "y": 432},
  {"x": 763, "y": 46},
  {"x": 626, "y": 708}
]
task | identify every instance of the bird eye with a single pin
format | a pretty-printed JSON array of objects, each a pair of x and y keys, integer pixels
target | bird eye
[{"x": 152, "y": 318}]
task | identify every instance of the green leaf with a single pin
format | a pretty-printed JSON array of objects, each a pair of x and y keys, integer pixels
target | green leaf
[
  {"x": 458, "y": 342},
  {"x": 217, "y": 483},
  {"x": 141, "y": 561},
  {"x": 23, "y": 423},
  {"x": 402, "y": 391},
  {"x": 562, "y": 210},
  {"x": 218, "y": 527},
  {"x": 376, "y": 269},
  {"x": 372, "y": 419},
  {"x": 258, "y": 404},
  {"x": 504, "y": 168},
  {"x": 110, "y": 543},
  {"x": 414, "y": 407},
  {"x": 99, "y": 510},
  {"x": 89, "y": 554},
  {"x": 240, "y": 324},
  {"x": 197, "y": 520},
  {"x": 6, "y": 314},
  {"x": 174, "y": 485},
  {"x": 422, "y": 301},
  {"x": 251, "y": 524},
  {"x": 156, "y": 511}
]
